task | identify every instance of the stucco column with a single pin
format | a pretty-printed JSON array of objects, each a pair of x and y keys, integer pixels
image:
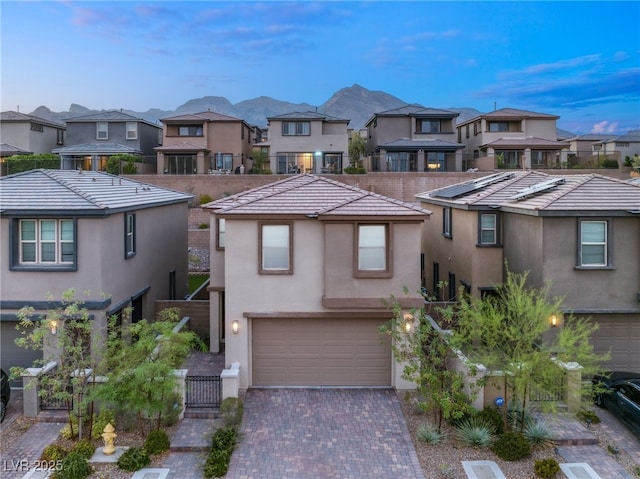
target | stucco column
[
  {"x": 201, "y": 170},
  {"x": 526, "y": 162},
  {"x": 458, "y": 161},
  {"x": 214, "y": 321},
  {"x": 160, "y": 163},
  {"x": 30, "y": 403},
  {"x": 421, "y": 162},
  {"x": 564, "y": 156}
]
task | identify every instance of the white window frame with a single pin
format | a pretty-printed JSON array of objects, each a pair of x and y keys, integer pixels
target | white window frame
[
  {"x": 63, "y": 237},
  {"x": 129, "y": 235},
  {"x": 132, "y": 130},
  {"x": 493, "y": 229},
  {"x": 446, "y": 222},
  {"x": 276, "y": 248},
  {"x": 372, "y": 247},
  {"x": 592, "y": 243},
  {"x": 221, "y": 232},
  {"x": 102, "y": 130}
]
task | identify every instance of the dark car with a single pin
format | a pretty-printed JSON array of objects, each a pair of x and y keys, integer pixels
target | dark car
[
  {"x": 622, "y": 397},
  {"x": 5, "y": 394}
]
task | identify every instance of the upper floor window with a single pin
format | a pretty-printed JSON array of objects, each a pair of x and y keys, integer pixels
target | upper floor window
[
  {"x": 429, "y": 126},
  {"x": 446, "y": 222},
  {"x": 45, "y": 242},
  {"x": 488, "y": 229},
  {"x": 498, "y": 126},
  {"x": 222, "y": 228},
  {"x": 129, "y": 235},
  {"x": 622, "y": 144},
  {"x": 132, "y": 130},
  {"x": 593, "y": 247},
  {"x": 190, "y": 130},
  {"x": 372, "y": 251},
  {"x": 296, "y": 128},
  {"x": 37, "y": 127},
  {"x": 275, "y": 249},
  {"x": 102, "y": 130},
  {"x": 59, "y": 136}
]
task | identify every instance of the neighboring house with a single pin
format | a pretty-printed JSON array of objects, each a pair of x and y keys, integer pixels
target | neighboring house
[
  {"x": 204, "y": 143},
  {"x": 627, "y": 145},
  {"x": 300, "y": 269},
  {"x": 308, "y": 142},
  {"x": 413, "y": 138},
  {"x": 579, "y": 232},
  {"x": 510, "y": 138},
  {"x": 27, "y": 134},
  {"x": 122, "y": 242},
  {"x": 92, "y": 139}
]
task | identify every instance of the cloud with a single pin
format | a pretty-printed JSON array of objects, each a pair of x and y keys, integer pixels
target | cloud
[{"x": 605, "y": 127}]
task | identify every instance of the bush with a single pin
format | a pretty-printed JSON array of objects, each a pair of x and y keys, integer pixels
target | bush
[
  {"x": 53, "y": 453},
  {"x": 429, "y": 434},
  {"x": 355, "y": 170},
  {"x": 134, "y": 459},
  {"x": 84, "y": 448},
  {"x": 475, "y": 432},
  {"x": 157, "y": 442},
  {"x": 172, "y": 410},
  {"x": 512, "y": 446},
  {"x": 231, "y": 410},
  {"x": 493, "y": 417},
  {"x": 546, "y": 468},
  {"x": 100, "y": 421},
  {"x": 588, "y": 416},
  {"x": 609, "y": 163},
  {"x": 203, "y": 226},
  {"x": 224, "y": 438},
  {"x": 204, "y": 199},
  {"x": 74, "y": 466},
  {"x": 537, "y": 433},
  {"x": 217, "y": 463},
  {"x": 516, "y": 420}
]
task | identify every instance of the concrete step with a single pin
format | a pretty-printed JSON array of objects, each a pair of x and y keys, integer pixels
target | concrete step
[{"x": 202, "y": 413}]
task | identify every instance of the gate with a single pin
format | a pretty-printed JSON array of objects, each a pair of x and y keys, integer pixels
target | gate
[
  {"x": 49, "y": 403},
  {"x": 203, "y": 391}
]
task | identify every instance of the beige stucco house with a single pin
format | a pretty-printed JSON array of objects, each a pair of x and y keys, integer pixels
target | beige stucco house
[
  {"x": 119, "y": 243},
  {"x": 579, "y": 232},
  {"x": 308, "y": 142},
  {"x": 299, "y": 272},
  {"x": 413, "y": 138},
  {"x": 512, "y": 138},
  {"x": 204, "y": 143}
]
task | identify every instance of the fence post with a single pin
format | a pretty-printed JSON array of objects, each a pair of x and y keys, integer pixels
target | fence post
[
  {"x": 573, "y": 386},
  {"x": 31, "y": 390},
  {"x": 230, "y": 381},
  {"x": 181, "y": 389}
]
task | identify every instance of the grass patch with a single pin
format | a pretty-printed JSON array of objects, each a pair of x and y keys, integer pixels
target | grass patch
[{"x": 195, "y": 281}]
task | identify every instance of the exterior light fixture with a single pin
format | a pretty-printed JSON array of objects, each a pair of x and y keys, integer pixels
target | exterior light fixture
[
  {"x": 235, "y": 326},
  {"x": 553, "y": 320},
  {"x": 54, "y": 326},
  {"x": 408, "y": 322}
]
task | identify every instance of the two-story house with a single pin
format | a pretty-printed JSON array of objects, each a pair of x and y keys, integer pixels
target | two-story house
[
  {"x": 308, "y": 142},
  {"x": 413, "y": 138},
  {"x": 579, "y": 232},
  {"x": 28, "y": 134},
  {"x": 300, "y": 269},
  {"x": 119, "y": 243},
  {"x": 511, "y": 138},
  {"x": 204, "y": 143},
  {"x": 620, "y": 147},
  {"x": 92, "y": 139}
]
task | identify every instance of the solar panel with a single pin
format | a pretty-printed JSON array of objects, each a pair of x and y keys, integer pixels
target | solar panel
[
  {"x": 462, "y": 189},
  {"x": 537, "y": 188}
]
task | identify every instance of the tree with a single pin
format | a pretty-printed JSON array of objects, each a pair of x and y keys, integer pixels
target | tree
[
  {"x": 260, "y": 159},
  {"x": 19, "y": 163},
  {"x": 357, "y": 149},
  {"x": 511, "y": 332},
  {"x": 123, "y": 163}
]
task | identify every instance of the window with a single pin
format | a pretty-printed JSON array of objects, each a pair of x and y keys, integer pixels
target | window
[
  {"x": 436, "y": 281},
  {"x": 59, "y": 137},
  {"x": 190, "y": 130},
  {"x": 466, "y": 131},
  {"x": 459, "y": 134},
  {"x": 222, "y": 226},
  {"x": 297, "y": 128},
  {"x": 475, "y": 128},
  {"x": 622, "y": 144},
  {"x": 401, "y": 161},
  {"x": 180, "y": 164},
  {"x": 222, "y": 161},
  {"x": 446, "y": 222},
  {"x": 372, "y": 250},
  {"x": 435, "y": 161},
  {"x": 428, "y": 126},
  {"x": 46, "y": 242},
  {"x": 129, "y": 235},
  {"x": 452, "y": 287},
  {"x": 488, "y": 229},
  {"x": 593, "y": 243},
  {"x": 510, "y": 158},
  {"x": 132, "y": 130},
  {"x": 498, "y": 126},
  {"x": 275, "y": 249},
  {"x": 37, "y": 127},
  {"x": 102, "y": 130}
]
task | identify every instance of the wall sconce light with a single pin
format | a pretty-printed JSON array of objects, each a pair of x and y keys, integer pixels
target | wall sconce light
[
  {"x": 235, "y": 326},
  {"x": 553, "y": 320},
  {"x": 54, "y": 326},
  {"x": 408, "y": 322}
]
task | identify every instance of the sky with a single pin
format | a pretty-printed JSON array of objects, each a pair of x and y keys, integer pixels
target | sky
[{"x": 577, "y": 60}]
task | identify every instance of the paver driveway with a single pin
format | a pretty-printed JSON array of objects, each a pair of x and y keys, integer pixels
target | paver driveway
[{"x": 324, "y": 434}]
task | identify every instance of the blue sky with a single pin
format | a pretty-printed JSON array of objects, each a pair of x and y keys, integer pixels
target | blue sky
[{"x": 578, "y": 60}]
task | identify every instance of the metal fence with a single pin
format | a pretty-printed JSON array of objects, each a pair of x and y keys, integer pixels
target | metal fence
[
  {"x": 48, "y": 401},
  {"x": 203, "y": 391},
  {"x": 554, "y": 392}
]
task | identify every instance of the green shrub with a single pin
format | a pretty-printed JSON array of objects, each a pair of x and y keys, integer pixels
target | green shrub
[
  {"x": 217, "y": 463},
  {"x": 355, "y": 170},
  {"x": 74, "y": 466},
  {"x": 429, "y": 434},
  {"x": 157, "y": 442},
  {"x": 231, "y": 410},
  {"x": 512, "y": 446},
  {"x": 475, "y": 432},
  {"x": 172, "y": 410},
  {"x": 53, "y": 453},
  {"x": 546, "y": 468},
  {"x": 134, "y": 459},
  {"x": 516, "y": 420},
  {"x": 588, "y": 416},
  {"x": 494, "y": 417},
  {"x": 100, "y": 421},
  {"x": 204, "y": 199},
  {"x": 224, "y": 438},
  {"x": 203, "y": 226},
  {"x": 65, "y": 432},
  {"x": 537, "y": 433},
  {"x": 628, "y": 161},
  {"x": 84, "y": 448},
  {"x": 609, "y": 163}
]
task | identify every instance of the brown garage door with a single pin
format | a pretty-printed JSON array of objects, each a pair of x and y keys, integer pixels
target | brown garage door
[
  {"x": 619, "y": 333},
  {"x": 319, "y": 352}
]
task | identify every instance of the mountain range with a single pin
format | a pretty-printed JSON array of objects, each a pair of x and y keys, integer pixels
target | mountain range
[{"x": 354, "y": 103}]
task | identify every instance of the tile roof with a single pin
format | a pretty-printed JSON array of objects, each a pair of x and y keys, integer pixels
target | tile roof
[
  {"x": 74, "y": 192},
  {"x": 202, "y": 116},
  {"x": 632, "y": 136},
  {"x": 414, "y": 109},
  {"x": 315, "y": 196},
  {"x": 508, "y": 114},
  {"x": 15, "y": 116},
  {"x": 307, "y": 115},
  {"x": 8, "y": 150},
  {"x": 527, "y": 142},
  {"x": 95, "y": 149},
  {"x": 422, "y": 144},
  {"x": 576, "y": 194},
  {"x": 109, "y": 115},
  {"x": 184, "y": 146}
]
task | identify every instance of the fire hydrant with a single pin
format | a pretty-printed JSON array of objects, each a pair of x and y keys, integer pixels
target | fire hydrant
[{"x": 108, "y": 436}]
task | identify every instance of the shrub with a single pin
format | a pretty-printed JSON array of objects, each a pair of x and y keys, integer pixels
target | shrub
[
  {"x": 217, "y": 463},
  {"x": 157, "y": 442},
  {"x": 512, "y": 446},
  {"x": 74, "y": 466},
  {"x": 204, "y": 199},
  {"x": 65, "y": 432},
  {"x": 231, "y": 410},
  {"x": 546, "y": 468},
  {"x": 84, "y": 448},
  {"x": 588, "y": 416},
  {"x": 100, "y": 421},
  {"x": 608, "y": 163},
  {"x": 203, "y": 226},
  {"x": 537, "y": 433},
  {"x": 494, "y": 417},
  {"x": 429, "y": 434},
  {"x": 475, "y": 432},
  {"x": 134, "y": 459},
  {"x": 53, "y": 453},
  {"x": 224, "y": 438},
  {"x": 517, "y": 420},
  {"x": 172, "y": 410},
  {"x": 355, "y": 170}
]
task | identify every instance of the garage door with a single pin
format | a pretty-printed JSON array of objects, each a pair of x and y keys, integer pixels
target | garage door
[
  {"x": 621, "y": 334},
  {"x": 12, "y": 355},
  {"x": 319, "y": 352}
]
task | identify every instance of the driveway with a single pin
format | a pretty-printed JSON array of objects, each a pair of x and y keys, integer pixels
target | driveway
[{"x": 324, "y": 434}]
